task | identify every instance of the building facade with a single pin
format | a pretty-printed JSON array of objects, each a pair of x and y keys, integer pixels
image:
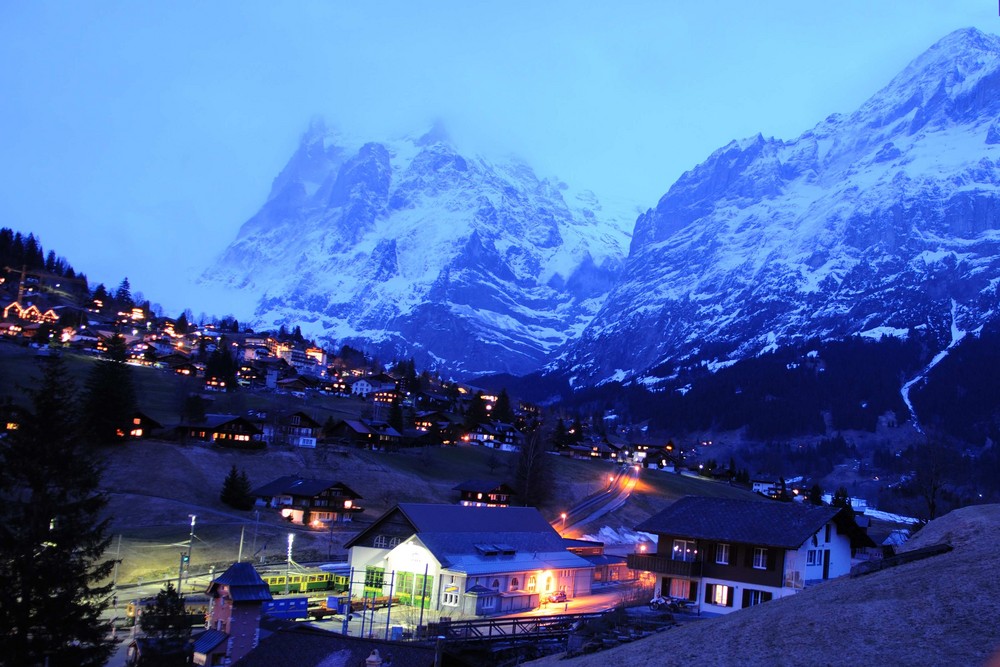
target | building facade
[{"x": 724, "y": 554}]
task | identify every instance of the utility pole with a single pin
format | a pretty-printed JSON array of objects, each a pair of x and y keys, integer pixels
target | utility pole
[
  {"x": 255, "y": 526},
  {"x": 190, "y": 546},
  {"x": 114, "y": 586},
  {"x": 288, "y": 562},
  {"x": 180, "y": 571}
]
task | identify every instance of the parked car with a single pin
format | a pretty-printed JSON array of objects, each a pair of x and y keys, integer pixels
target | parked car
[{"x": 558, "y": 596}]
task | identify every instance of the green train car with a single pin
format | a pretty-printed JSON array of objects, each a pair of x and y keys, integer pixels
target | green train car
[{"x": 306, "y": 582}]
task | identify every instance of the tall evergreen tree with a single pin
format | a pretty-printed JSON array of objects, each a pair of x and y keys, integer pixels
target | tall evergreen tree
[
  {"x": 109, "y": 403},
  {"x": 221, "y": 364},
  {"x": 123, "y": 295},
  {"x": 166, "y": 622},
  {"x": 533, "y": 478},
  {"x": 502, "y": 410},
  {"x": 236, "y": 490},
  {"x": 477, "y": 414},
  {"x": 841, "y": 498},
  {"x": 396, "y": 415},
  {"x": 52, "y": 537},
  {"x": 165, "y": 618}
]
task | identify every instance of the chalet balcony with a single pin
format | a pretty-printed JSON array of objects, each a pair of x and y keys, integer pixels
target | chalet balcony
[{"x": 664, "y": 565}]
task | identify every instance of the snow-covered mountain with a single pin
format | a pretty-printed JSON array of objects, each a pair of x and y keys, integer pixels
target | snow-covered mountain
[
  {"x": 884, "y": 220},
  {"x": 408, "y": 248}
]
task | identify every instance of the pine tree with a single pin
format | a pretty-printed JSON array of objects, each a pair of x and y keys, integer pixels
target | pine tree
[
  {"x": 109, "y": 403},
  {"x": 502, "y": 410},
  {"x": 167, "y": 624},
  {"x": 165, "y": 617},
  {"x": 841, "y": 498},
  {"x": 559, "y": 438},
  {"x": 477, "y": 414},
  {"x": 816, "y": 495},
  {"x": 533, "y": 479},
  {"x": 396, "y": 415},
  {"x": 52, "y": 537},
  {"x": 236, "y": 490},
  {"x": 123, "y": 295}
]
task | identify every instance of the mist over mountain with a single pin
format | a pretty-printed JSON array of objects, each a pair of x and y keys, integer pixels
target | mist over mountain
[
  {"x": 883, "y": 221},
  {"x": 409, "y": 248}
]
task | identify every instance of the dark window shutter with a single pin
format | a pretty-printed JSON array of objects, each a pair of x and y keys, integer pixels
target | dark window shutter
[
  {"x": 746, "y": 598},
  {"x": 693, "y": 591},
  {"x": 665, "y": 586},
  {"x": 770, "y": 555},
  {"x": 712, "y": 552},
  {"x": 708, "y": 592},
  {"x": 748, "y": 556},
  {"x": 730, "y": 594},
  {"x": 765, "y": 596}
]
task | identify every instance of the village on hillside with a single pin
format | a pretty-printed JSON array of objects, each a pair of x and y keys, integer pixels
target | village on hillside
[{"x": 484, "y": 557}]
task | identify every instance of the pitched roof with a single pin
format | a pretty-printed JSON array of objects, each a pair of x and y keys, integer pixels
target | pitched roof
[
  {"x": 437, "y": 518},
  {"x": 300, "y": 486},
  {"x": 208, "y": 640},
  {"x": 768, "y": 523},
  {"x": 480, "y": 486},
  {"x": 245, "y": 585},
  {"x": 302, "y": 646},
  {"x": 484, "y": 540}
]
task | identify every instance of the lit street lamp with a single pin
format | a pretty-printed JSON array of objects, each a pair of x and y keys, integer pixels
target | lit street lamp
[
  {"x": 190, "y": 545},
  {"x": 563, "y": 516},
  {"x": 288, "y": 563}
]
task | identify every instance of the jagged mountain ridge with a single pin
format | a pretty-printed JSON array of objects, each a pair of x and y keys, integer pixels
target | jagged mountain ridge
[
  {"x": 409, "y": 248},
  {"x": 881, "y": 221}
]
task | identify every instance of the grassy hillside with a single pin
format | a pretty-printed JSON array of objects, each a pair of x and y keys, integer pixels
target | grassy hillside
[{"x": 154, "y": 486}]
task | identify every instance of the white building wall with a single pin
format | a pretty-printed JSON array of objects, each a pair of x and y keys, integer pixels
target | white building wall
[
  {"x": 737, "y": 592},
  {"x": 839, "y": 547}
]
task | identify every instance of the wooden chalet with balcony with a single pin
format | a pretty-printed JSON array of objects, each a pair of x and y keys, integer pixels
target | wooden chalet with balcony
[
  {"x": 484, "y": 493},
  {"x": 225, "y": 430},
  {"x": 309, "y": 502},
  {"x": 725, "y": 554},
  {"x": 296, "y": 429}
]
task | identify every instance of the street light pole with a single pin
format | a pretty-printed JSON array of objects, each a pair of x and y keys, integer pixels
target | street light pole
[
  {"x": 190, "y": 545},
  {"x": 288, "y": 563}
]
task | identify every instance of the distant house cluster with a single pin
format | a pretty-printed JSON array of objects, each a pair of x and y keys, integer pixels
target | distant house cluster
[{"x": 396, "y": 411}]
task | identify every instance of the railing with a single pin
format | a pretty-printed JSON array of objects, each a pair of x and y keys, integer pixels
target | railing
[
  {"x": 664, "y": 565},
  {"x": 507, "y": 629}
]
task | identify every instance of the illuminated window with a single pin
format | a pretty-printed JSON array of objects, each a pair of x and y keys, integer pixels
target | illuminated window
[
  {"x": 684, "y": 550},
  {"x": 718, "y": 594},
  {"x": 136, "y": 433},
  {"x": 532, "y": 583},
  {"x": 513, "y": 584},
  {"x": 680, "y": 588}
]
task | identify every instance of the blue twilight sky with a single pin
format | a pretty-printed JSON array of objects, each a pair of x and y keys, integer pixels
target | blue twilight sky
[{"x": 135, "y": 138}]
